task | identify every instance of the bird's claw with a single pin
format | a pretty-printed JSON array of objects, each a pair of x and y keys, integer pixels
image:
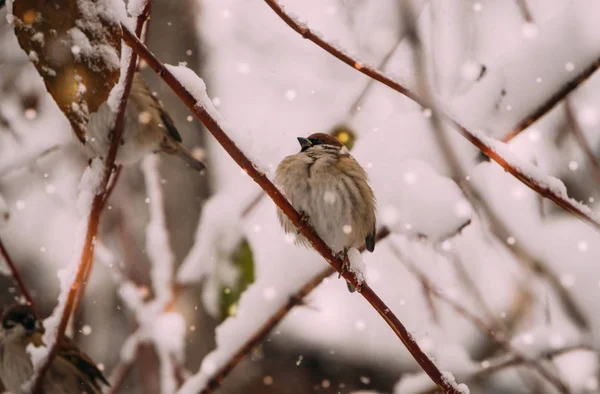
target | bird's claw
[
  {"x": 304, "y": 219},
  {"x": 345, "y": 264}
]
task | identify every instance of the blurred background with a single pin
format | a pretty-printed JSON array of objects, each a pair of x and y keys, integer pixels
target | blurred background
[{"x": 473, "y": 255}]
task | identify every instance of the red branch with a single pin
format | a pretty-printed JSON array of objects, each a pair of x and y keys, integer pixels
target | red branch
[
  {"x": 503, "y": 362},
  {"x": 522, "y": 176},
  {"x": 16, "y": 276},
  {"x": 85, "y": 266},
  {"x": 276, "y": 317},
  {"x": 556, "y": 98},
  {"x": 493, "y": 333},
  {"x": 581, "y": 140},
  {"x": 236, "y": 154}
]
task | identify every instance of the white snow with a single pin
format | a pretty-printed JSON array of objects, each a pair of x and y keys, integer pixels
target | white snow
[
  {"x": 157, "y": 238},
  {"x": 357, "y": 265},
  {"x": 272, "y": 86},
  {"x": 114, "y": 98},
  {"x": 452, "y": 356},
  {"x": 196, "y": 86},
  {"x": 88, "y": 187},
  {"x": 136, "y": 7},
  {"x": 534, "y": 174},
  {"x": 503, "y": 52},
  {"x": 169, "y": 338}
]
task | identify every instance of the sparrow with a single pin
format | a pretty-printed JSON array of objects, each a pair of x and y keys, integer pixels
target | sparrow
[
  {"x": 71, "y": 372},
  {"x": 331, "y": 191},
  {"x": 147, "y": 128}
]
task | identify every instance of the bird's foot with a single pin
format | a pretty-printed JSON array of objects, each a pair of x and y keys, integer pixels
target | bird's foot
[
  {"x": 304, "y": 219},
  {"x": 345, "y": 263}
]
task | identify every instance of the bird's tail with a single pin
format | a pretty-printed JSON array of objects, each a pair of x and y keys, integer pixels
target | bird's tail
[{"x": 189, "y": 159}]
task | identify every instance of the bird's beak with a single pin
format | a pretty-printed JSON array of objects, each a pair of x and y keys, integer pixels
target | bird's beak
[{"x": 304, "y": 143}]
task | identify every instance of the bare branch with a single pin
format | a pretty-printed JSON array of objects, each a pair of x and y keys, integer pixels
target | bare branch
[
  {"x": 265, "y": 329},
  {"x": 553, "y": 100},
  {"x": 505, "y": 362},
  {"x": 525, "y": 12},
  {"x": 479, "y": 141},
  {"x": 26, "y": 159},
  {"x": 16, "y": 275},
  {"x": 121, "y": 372},
  {"x": 355, "y": 107},
  {"x": 113, "y": 183},
  {"x": 583, "y": 144},
  {"x": 493, "y": 333}
]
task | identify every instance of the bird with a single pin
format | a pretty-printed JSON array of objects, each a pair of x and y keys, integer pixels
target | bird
[
  {"x": 331, "y": 192},
  {"x": 147, "y": 128},
  {"x": 71, "y": 371}
]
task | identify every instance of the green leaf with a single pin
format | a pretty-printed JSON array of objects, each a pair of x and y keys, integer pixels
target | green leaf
[{"x": 243, "y": 261}]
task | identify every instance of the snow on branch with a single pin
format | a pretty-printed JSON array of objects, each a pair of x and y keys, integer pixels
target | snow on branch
[
  {"x": 494, "y": 366},
  {"x": 203, "y": 109},
  {"x": 93, "y": 189},
  {"x": 165, "y": 329},
  {"x": 157, "y": 326},
  {"x": 546, "y": 186},
  {"x": 470, "y": 190},
  {"x": 236, "y": 337},
  {"x": 71, "y": 278},
  {"x": 157, "y": 237}
]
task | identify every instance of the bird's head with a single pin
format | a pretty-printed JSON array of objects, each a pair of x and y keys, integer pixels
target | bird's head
[
  {"x": 319, "y": 141},
  {"x": 20, "y": 322}
]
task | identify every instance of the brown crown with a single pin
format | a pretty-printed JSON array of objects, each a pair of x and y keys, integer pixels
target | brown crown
[{"x": 327, "y": 139}]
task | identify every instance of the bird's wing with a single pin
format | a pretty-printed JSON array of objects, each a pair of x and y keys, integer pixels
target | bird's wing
[
  {"x": 169, "y": 126},
  {"x": 370, "y": 241},
  {"x": 70, "y": 352}
]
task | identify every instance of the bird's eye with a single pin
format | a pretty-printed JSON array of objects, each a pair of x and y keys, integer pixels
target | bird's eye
[
  {"x": 29, "y": 322},
  {"x": 8, "y": 324},
  {"x": 316, "y": 141}
]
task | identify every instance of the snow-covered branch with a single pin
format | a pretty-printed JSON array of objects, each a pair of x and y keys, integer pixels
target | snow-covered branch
[
  {"x": 93, "y": 188},
  {"x": 494, "y": 333},
  {"x": 498, "y": 227},
  {"x": 229, "y": 353},
  {"x": 497, "y": 365}
]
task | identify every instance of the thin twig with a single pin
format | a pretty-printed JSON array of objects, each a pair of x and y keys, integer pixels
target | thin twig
[
  {"x": 263, "y": 181},
  {"x": 475, "y": 139},
  {"x": 497, "y": 336},
  {"x": 504, "y": 362},
  {"x": 352, "y": 111},
  {"x": 26, "y": 159},
  {"x": 471, "y": 192},
  {"x": 294, "y": 300},
  {"x": 121, "y": 372},
  {"x": 113, "y": 183},
  {"x": 78, "y": 287},
  {"x": 458, "y": 173},
  {"x": 553, "y": 100},
  {"x": 16, "y": 275},
  {"x": 354, "y": 108},
  {"x": 581, "y": 140},
  {"x": 525, "y": 11}
]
